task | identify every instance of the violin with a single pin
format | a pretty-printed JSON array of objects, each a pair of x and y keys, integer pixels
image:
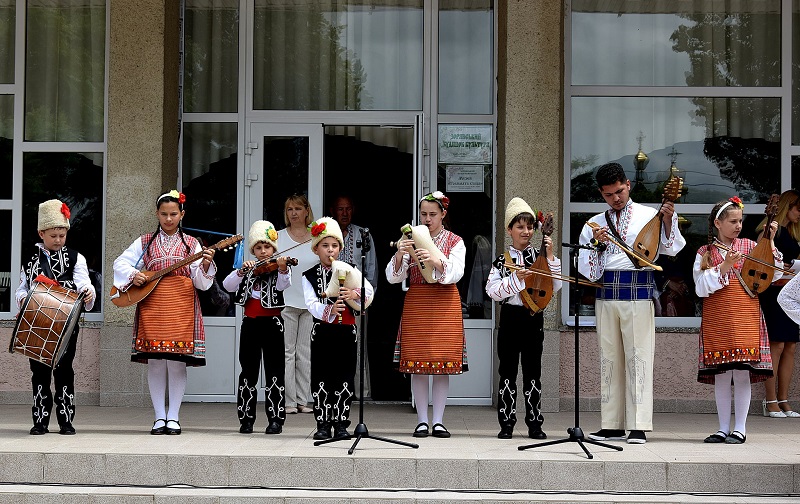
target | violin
[
  {"x": 649, "y": 238},
  {"x": 268, "y": 265},
  {"x": 539, "y": 288},
  {"x": 757, "y": 272}
]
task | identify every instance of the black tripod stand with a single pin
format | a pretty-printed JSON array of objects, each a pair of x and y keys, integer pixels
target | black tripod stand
[
  {"x": 575, "y": 433},
  {"x": 361, "y": 431}
]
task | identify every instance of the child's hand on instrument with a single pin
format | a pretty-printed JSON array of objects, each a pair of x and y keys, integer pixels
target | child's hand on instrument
[
  {"x": 282, "y": 264},
  {"x": 208, "y": 256},
  {"x": 89, "y": 295},
  {"x": 730, "y": 259},
  {"x": 139, "y": 279},
  {"x": 548, "y": 247},
  {"x": 248, "y": 265}
]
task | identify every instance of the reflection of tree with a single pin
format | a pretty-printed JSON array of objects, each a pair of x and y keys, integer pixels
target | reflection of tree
[
  {"x": 736, "y": 49},
  {"x": 211, "y": 67},
  {"x": 303, "y": 64},
  {"x": 584, "y": 186}
]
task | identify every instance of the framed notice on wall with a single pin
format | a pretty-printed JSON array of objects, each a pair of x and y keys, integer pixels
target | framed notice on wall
[
  {"x": 466, "y": 144},
  {"x": 464, "y": 178}
]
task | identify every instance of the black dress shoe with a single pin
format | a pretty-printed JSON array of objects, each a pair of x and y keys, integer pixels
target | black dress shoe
[
  {"x": 440, "y": 431},
  {"x": 421, "y": 430},
  {"x": 38, "y": 429},
  {"x": 172, "y": 430},
  {"x": 506, "y": 432},
  {"x": 67, "y": 429},
  {"x": 246, "y": 428},
  {"x": 157, "y": 431},
  {"x": 536, "y": 433},
  {"x": 274, "y": 428},
  {"x": 340, "y": 432}
]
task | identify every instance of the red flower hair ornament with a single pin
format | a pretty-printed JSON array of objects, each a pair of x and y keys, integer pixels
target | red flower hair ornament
[
  {"x": 65, "y": 210},
  {"x": 317, "y": 229},
  {"x": 737, "y": 201}
]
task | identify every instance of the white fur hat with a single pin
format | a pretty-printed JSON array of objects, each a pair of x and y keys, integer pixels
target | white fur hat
[
  {"x": 515, "y": 207},
  {"x": 323, "y": 228},
  {"x": 53, "y": 214},
  {"x": 262, "y": 231}
]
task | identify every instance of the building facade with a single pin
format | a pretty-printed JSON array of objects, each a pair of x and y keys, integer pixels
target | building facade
[{"x": 242, "y": 103}]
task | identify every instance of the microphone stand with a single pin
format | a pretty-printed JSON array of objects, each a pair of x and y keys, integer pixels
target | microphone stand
[
  {"x": 361, "y": 431},
  {"x": 575, "y": 433}
]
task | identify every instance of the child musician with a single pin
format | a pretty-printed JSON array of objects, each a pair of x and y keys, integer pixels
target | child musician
[
  {"x": 521, "y": 333},
  {"x": 333, "y": 335},
  {"x": 53, "y": 262},
  {"x": 730, "y": 352},
  {"x": 261, "y": 295}
]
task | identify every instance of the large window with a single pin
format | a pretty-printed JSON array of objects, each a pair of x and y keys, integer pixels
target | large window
[
  {"x": 338, "y": 55},
  {"x": 61, "y": 86},
  {"x": 689, "y": 89}
]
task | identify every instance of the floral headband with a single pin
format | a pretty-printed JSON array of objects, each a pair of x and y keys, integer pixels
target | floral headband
[
  {"x": 735, "y": 200},
  {"x": 317, "y": 229},
  {"x": 173, "y": 194},
  {"x": 438, "y": 197}
]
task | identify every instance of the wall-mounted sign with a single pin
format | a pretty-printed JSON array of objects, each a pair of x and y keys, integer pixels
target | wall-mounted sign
[
  {"x": 464, "y": 178},
  {"x": 465, "y": 143}
]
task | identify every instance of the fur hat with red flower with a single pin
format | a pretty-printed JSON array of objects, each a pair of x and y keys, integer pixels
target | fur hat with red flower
[
  {"x": 262, "y": 231},
  {"x": 53, "y": 214},
  {"x": 323, "y": 228},
  {"x": 515, "y": 207}
]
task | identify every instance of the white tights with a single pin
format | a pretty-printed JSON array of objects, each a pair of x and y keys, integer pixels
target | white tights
[
  {"x": 160, "y": 374},
  {"x": 441, "y": 386},
  {"x": 741, "y": 398}
]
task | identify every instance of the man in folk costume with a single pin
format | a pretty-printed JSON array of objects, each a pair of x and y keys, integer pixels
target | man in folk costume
[
  {"x": 624, "y": 312},
  {"x": 54, "y": 263}
]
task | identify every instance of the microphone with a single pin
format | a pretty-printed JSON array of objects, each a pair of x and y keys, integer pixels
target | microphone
[{"x": 598, "y": 245}]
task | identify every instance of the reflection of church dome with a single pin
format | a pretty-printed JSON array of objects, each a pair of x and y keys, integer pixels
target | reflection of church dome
[
  {"x": 683, "y": 223},
  {"x": 641, "y": 160}
]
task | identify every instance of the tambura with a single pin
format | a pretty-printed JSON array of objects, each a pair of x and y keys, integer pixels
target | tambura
[
  {"x": 352, "y": 280},
  {"x": 46, "y": 322}
]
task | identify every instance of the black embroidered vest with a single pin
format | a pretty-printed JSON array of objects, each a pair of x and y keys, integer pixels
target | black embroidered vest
[
  {"x": 528, "y": 258},
  {"x": 61, "y": 265},
  {"x": 271, "y": 297}
]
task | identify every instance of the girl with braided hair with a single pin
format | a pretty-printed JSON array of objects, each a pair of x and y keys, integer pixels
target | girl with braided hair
[
  {"x": 737, "y": 352},
  {"x": 168, "y": 332}
]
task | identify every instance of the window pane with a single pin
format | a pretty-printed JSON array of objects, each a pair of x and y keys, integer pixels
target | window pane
[
  {"x": 6, "y": 146},
  {"x": 77, "y": 180},
  {"x": 720, "y": 146},
  {"x": 5, "y": 263},
  {"x": 211, "y": 66},
  {"x": 65, "y": 70},
  {"x": 796, "y": 72},
  {"x": 796, "y": 171},
  {"x": 466, "y": 64},
  {"x": 8, "y": 20},
  {"x": 209, "y": 183},
  {"x": 466, "y": 177},
  {"x": 346, "y": 55},
  {"x": 667, "y": 43}
]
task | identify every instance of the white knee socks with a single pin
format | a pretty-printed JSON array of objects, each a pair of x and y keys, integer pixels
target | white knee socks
[
  {"x": 741, "y": 399},
  {"x": 160, "y": 374}
]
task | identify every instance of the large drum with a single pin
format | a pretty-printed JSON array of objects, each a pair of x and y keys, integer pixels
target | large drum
[{"x": 46, "y": 322}]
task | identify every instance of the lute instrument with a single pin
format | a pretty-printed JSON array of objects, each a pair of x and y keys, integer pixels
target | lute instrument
[
  {"x": 539, "y": 288},
  {"x": 758, "y": 268},
  {"x": 134, "y": 294},
  {"x": 649, "y": 238}
]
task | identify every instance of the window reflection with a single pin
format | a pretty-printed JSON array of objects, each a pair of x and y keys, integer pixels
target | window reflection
[
  {"x": 466, "y": 63},
  {"x": 5, "y": 263},
  {"x": 719, "y": 146},
  {"x": 6, "y": 146},
  {"x": 674, "y": 294},
  {"x": 77, "y": 180},
  {"x": 211, "y": 67},
  {"x": 344, "y": 55},
  {"x": 209, "y": 160},
  {"x": 796, "y": 73},
  {"x": 8, "y": 21},
  {"x": 65, "y": 71},
  {"x": 667, "y": 43}
]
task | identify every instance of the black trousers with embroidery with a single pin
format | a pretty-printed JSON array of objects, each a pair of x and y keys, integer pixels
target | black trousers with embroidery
[
  {"x": 333, "y": 369},
  {"x": 64, "y": 380},
  {"x": 261, "y": 338},
  {"x": 520, "y": 339}
]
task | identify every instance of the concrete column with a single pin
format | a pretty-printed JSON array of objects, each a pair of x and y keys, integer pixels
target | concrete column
[
  {"x": 531, "y": 137},
  {"x": 142, "y": 163}
]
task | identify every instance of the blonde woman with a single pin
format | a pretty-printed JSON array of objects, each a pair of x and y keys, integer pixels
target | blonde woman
[
  {"x": 297, "y": 320},
  {"x": 783, "y": 332}
]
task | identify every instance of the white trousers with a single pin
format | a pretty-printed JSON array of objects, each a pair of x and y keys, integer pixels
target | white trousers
[
  {"x": 297, "y": 345},
  {"x": 627, "y": 333}
]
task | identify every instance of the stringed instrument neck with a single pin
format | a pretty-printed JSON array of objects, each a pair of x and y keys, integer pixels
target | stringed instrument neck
[
  {"x": 539, "y": 288},
  {"x": 649, "y": 238}
]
